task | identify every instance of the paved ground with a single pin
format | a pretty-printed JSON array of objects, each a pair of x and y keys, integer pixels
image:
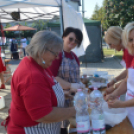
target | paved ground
[{"x": 109, "y": 64}]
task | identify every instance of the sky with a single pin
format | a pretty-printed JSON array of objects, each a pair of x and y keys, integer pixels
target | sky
[{"x": 89, "y": 7}]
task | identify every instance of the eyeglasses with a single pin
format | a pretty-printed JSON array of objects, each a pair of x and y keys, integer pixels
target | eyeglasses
[
  {"x": 55, "y": 54},
  {"x": 75, "y": 40}
]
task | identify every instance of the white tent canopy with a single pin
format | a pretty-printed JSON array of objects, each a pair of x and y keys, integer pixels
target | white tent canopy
[
  {"x": 74, "y": 19},
  {"x": 29, "y": 9},
  {"x": 45, "y": 9},
  {"x": 28, "y": 14},
  {"x": 28, "y": 3}
]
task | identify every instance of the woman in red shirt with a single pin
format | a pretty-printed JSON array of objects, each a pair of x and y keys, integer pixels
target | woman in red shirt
[
  {"x": 113, "y": 39},
  {"x": 127, "y": 86},
  {"x": 37, "y": 98},
  {"x": 2, "y": 68}
]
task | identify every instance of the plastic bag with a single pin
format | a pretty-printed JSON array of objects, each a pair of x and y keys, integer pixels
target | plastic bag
[{"x": 113, "y": 116}]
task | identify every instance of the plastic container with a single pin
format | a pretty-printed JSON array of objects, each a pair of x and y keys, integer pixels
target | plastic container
[
  {"x": 82, "y": 115},
  {"x": 98, "y": 122},
  {"x": 89, "y": 72},
  {"x": 113, "y": 116},
  {"x": 100, "y": 73},
  {"x": 2, "y": 102},
  {"x": 95, "y": 99}
]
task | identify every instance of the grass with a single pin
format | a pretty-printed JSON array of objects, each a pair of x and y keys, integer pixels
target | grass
[{"x": 111, "y": 52}]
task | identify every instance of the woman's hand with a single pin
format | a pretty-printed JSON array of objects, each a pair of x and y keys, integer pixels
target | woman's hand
[
  {"x": 75, "y": 86},
  {"x": 68, "y": 94},
  {"x": 110, "y": 84},
  {"x": 110, "y": 97},
  {"x": 108, "y": 91},
  {"x": 115, "y": 103}
]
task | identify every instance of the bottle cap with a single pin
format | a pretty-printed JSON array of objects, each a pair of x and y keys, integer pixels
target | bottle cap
[{"x": 78, "y": 90}]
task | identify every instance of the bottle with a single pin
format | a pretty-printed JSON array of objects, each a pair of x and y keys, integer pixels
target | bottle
[
  {"x": 95, "y": 99},
  {"x": 86, "y": 93},
  {"x": 97, "y": 116},
  {"x": 98, "y": 122},
  {"x": 82, "y": 115}
]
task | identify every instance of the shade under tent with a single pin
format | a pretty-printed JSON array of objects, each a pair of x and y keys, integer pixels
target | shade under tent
[{"x": 42, "y": 9}]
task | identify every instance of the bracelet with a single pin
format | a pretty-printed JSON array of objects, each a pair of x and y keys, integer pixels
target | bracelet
[{"x": 114, "y": 86}]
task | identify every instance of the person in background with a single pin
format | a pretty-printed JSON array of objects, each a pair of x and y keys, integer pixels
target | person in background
[
  {"x": 14, "y": 46},
  {"x": 37, "y": 105},
  {"x": 23, "y": 44},
  {"x": 2, "y": 69},
  {"x": 28, "y": 40},
  {"x": 66, "y": 68},
  {"x": 127, "y": 86},
  {"x": 114, "y": 40}
]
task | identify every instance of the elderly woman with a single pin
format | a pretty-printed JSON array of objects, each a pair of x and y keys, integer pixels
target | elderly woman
[
  {"x": 66, "y": 68},
  {"x": 113, "y": 39},
  {"x": 128, "y": 85},
  {"x": 37, "y": 98}
]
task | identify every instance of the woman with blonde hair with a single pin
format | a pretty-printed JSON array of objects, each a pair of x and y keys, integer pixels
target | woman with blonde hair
[
  {"x": 128, "y": 85},
  {"x": 114, "y": 40}
]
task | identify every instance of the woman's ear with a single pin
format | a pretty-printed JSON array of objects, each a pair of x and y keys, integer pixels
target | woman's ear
[{"x": 63, "y": 39}]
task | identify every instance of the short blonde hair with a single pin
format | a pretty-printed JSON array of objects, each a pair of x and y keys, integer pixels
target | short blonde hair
[
  {"x": 42, "y": 41},
  {"x": 113, "y": 35},
  {"x": 128, "y": 28}
]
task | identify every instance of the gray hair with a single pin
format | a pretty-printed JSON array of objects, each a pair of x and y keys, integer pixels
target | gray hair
[
  {"x": 42, "y": 41},
  {"x": 128, "y": 28}
]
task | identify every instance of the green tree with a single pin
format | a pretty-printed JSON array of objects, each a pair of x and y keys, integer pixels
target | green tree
[
  {"x": 96, "y": 14},
  {"x": 99, "y": 14},
  {"x": 119, "y": 12},
  {"x": 28, "y": 33},
  {"x": 40, "y": 25},
  {"x": 114, "y": 13},
  {"x": 8, "y": 34}
]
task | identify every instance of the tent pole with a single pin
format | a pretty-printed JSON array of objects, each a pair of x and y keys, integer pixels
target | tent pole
[
  {"x": 61, "y": 19},
  {"x": 19, "y": 30}
]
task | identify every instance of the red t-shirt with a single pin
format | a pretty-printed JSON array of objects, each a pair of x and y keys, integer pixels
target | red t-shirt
[
  {"x": 57, "y": 62},
  {"x": 127, "y": 58},
  {"x": 32, "y": 96}
]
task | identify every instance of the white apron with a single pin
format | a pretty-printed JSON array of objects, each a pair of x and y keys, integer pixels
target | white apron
[
  {"x": 49, "y": 128},
  {"x": 130, "y": 94}
]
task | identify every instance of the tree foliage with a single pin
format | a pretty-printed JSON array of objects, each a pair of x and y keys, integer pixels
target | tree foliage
[
  {"x": 40, "y": 25},
  {"x": 8, "y": 34},
  {"x": 119, "y": 12},
  {"x": 114, "y": 12},
  {"x": 29, "y": 33},
  {"x": 99, "y": 14}
]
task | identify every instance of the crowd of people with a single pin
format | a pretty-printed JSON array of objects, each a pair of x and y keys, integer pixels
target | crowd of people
[{"x": 45, "y": 80}]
